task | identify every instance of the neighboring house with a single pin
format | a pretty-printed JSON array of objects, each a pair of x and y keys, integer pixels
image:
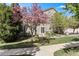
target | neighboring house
[
  {"x": 68, "y": 31},
  {"x": 43, "y": 28},
  {"x": 71, "y": 31}
]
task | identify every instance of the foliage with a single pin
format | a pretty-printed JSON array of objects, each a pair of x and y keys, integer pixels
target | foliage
[
  {"x": 16, "y": 10},
  {"x": 73, "y": 8},
  {"x": 59, "y": 22},
  {"x": 33, "y": 17},
  {"x": 16, "y": 20},
  {"x": 5, "y": 21},
  {"x": 12, "y": 17},
  {"x": 49, "y": 34},
  {"x": 8, "y": 28},
  {"x": 72, "y": 23}
]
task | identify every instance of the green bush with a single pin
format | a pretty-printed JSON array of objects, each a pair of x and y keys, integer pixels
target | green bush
[
  {"x": 1, "y": 41},
  {"x": 8, "y": 30}
]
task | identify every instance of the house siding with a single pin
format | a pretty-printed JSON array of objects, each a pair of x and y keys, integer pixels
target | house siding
[{"x": 46, "y": 29}]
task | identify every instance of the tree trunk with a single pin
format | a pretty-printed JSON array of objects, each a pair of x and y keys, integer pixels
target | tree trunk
[
  {"x": 24, "y": 29},
  {"x": 31, "y": 31},
  {"x": 73, "y": 30},
  {"x": 35, "y": 30}
]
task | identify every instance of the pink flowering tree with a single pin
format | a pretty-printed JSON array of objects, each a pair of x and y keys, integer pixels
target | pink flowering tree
[
  {"x": 26, "y": 19},
  {"x": 38, "y": 16},
  {"x": 16, "y": 16},
  {"x": 34, "y": 16}
]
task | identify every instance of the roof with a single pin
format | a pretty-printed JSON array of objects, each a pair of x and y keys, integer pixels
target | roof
[{"x": 50, "y": 9}]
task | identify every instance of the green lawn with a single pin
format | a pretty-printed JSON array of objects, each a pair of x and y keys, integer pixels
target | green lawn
[
  {"x": 1, "y": 41},
  {"x": 19, "y": 44},
  {"x": 64, "y": 40},
  {"x": 61, "y": 40},
  {"x": 35, "y": 42},
  {"x": 68, "y": 52}
]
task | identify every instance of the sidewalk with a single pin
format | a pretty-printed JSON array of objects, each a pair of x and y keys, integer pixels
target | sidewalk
[
  {"x": 41, "y": 51},
  {"x": 60, "y": 36},
  {"x": 49, "y": 50}
]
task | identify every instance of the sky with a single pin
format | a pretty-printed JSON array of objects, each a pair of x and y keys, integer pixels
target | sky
[
  {"x": 44, "y": 6},
  {"x": 57, "y": 6}
]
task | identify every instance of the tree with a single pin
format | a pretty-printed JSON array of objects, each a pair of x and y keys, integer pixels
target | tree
[
  {"x": 26, "y": 19},
  {"x": 34, "y": 16},
  {"x": 16, "y": 19},
  {"x": 5, "y": 22},
  {"x": 73, "y": 23},
  {"x": 73, "y": 8},
  {"x": 10, "y": 24},
  {"x": 59, "y": 23},
  {"x": 16, "y": 10},
  {"x": 38, "y": 16}
]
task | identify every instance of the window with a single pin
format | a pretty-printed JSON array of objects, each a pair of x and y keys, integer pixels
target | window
[{"x": 42, "y": 29}]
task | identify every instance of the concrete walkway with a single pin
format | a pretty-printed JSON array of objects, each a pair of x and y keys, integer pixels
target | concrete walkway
[
  {"x": 37, "y": 51},
  {"x": 49, "y": 50},
  {"x": 61, "y": 36},
  {"x": 30, "y": 51}
]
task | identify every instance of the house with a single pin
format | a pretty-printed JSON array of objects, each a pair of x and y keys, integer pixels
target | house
[
  {"x": 68, "y": 31},
  {"x": 43, "y": 28},
  {"x": 71, "y": 31}
]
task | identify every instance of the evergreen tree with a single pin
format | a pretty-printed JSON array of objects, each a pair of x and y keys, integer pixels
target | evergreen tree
[{"x": 9, "y": 27}]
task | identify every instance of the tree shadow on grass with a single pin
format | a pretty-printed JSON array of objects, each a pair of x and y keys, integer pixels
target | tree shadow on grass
[
  {"x": 19, "y": 45},
  {"x": 66, "y": 50},
  {"x": 44, "y": 40},
  {"x": 71, "y": 46},
  {"x": 75, "y": 39}
]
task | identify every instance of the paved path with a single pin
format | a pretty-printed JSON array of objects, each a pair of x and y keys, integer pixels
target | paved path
[
  {"x": 41, "y": 51},
  {"x": 49, "y": 50},
  {"x": 35, "y": 51},
  {"x": 19, "y": 51},
  {"x": 60, "y": 36}
]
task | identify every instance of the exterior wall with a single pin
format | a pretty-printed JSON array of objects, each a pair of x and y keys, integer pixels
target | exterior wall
[
  {"x": 76, "y": 31},
  {"x": 50, "y": 12},
  {"x": 46, "y": 28}
]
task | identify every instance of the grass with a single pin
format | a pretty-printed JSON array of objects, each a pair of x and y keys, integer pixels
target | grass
[
  {"x": 68, "y": 52},
  {"x": 35, "y": 42},
  {"x": 1, "y": 41},
  {"x": 19, "y": 44},
  {"x": 61, "y": 40}
]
